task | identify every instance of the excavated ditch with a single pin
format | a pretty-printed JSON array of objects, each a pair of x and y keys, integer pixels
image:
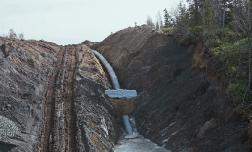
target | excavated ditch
[
  {"x": 49, "y": 109},
  {"x": 182, "y": 103},
  {"x": 52, "y": 99},
  {"x": 59, "y": 132}
]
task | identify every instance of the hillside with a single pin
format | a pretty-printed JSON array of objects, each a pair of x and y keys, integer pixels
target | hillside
[
  {"x": 52, "y": 96},
  {"x": 183, "y": 104}
]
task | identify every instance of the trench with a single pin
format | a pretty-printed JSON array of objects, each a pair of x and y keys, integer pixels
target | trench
[
  {"x": 59, "y": 129},
  {"x": 132, "y": 142}
]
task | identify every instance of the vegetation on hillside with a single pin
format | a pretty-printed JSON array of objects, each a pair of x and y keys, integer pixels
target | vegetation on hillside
[
  {"x": 13, "y": 35},
  {"x": 225, "y": 27}
]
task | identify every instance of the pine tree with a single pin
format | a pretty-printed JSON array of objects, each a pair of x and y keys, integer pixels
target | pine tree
[
  {"x": 182, "y": 19},
  {"x": 195, "y": 8},
  {"x": 209, "y": 23},
  {"x": 167, "y": 19},
  {"x": 208, "y": 15}
]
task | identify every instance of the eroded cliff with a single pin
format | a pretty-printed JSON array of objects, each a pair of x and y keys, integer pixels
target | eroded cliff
[
  {"x": 183, "y": 105},
  {"x": 52, "y": 96}
]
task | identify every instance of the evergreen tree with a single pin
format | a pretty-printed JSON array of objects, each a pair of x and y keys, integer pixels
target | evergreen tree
[
  {"x": 181, "y": 20},
  {"x": 167, "y": 19},
  {"x": 195, "y": 8},
  {"x": 208, "y": 23},
  {"x": 208, "y": 15}
]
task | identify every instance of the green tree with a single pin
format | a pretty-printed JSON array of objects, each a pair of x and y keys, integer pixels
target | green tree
[
  {"x": 194, "y": 9},
  {"x": 243, "y": 22},
  {"x": 167, "y": 19},
  {"x": 209, "y": 24},
  {"x": 208, "y": 18},
  {"x": 182, "y": 19}
]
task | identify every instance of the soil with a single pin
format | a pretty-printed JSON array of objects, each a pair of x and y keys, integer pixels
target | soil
[{"x": 182, "y": 102}]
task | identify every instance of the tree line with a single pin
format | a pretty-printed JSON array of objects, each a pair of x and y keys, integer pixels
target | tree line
[
  {"x": 207, "y": 18},
  {"x": 160, "y": 24},
  {"x": 13, "y": 35},
  {"x": 224, "y": 27}
]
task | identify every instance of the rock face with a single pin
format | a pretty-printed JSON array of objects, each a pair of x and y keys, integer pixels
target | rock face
[
  {"x": 24, "y": 71},
  {"x": 182, "y": 104},
  {"x": 52, "y": 99}
]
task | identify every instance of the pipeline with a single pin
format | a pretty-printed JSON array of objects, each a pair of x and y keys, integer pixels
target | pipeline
[{"x": 116, "y": 85}]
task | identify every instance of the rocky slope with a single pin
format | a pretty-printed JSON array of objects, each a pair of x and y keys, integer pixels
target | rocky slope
[
  {"x": 52, "y": 96},
  {"x": 182, "y": 104},
  {"x": 52, "y": 99}
]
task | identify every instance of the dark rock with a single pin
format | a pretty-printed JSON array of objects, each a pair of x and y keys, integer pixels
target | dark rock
[
  {"x": 180, "y": 91},
  {"x": 5, "y": 49},
  {"x": 210, "y": 124}
]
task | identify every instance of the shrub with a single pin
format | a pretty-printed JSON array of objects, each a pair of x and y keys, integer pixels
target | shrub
[
  {"x": 168, "y": 30},
  {"x": 235, "y": 58},
  {"x": 231, "y": 36}
]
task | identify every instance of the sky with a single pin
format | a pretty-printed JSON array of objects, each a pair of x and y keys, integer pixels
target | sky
[{"x": 74, "y": 21}]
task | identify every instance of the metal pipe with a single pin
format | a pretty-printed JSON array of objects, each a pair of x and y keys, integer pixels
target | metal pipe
[
  {"x": 116, "y": 85},
  {"x": 109, "y": 69},
  {"x": 127, "y": 125}
]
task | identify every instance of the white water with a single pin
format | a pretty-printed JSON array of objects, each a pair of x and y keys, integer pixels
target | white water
[{"x": 139, "y": 144}]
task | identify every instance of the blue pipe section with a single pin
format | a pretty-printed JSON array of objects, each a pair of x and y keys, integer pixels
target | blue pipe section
[
  {"x": 109, "y": 69},
  {"x": 127, "y": 124},
  {"x": 116, "y": 85}
]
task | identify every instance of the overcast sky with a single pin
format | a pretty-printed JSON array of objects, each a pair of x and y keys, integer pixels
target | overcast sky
[{"x": 73, "y": 21}]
